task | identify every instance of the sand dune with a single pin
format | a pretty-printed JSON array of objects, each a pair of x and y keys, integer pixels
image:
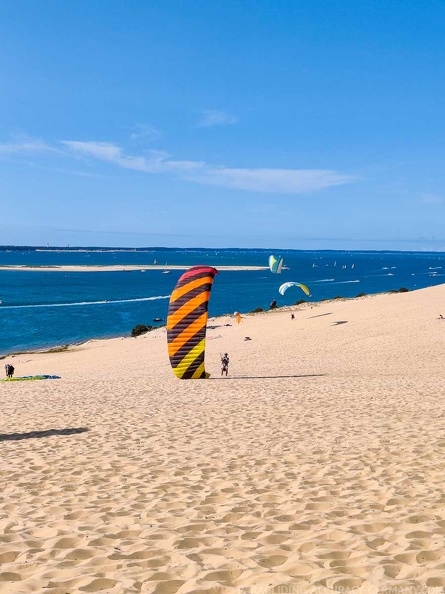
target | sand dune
[{"x": 316, "y": 466}]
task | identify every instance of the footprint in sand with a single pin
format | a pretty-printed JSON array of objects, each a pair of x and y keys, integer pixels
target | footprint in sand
[
  {"x": 99, "y": 584},
  {"x": 346, "y": 583},
  {"x": 80, "y": 554},
  {"x": 169, "y": 587},
  {"x": 225, "y": 577},
  {"x": 392, "y": 570},
  {"x": 425, "y": 556},
  {"x": 9, "y": 556},
  {"x": 272, "y": 561},
  {"x": 9, "y": 576},
  {"x": 435, "y": 582},
  {"x": 274, "y": 539}
]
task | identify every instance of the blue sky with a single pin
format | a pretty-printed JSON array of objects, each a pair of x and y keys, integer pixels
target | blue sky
[{"x": 287, "y": 124}]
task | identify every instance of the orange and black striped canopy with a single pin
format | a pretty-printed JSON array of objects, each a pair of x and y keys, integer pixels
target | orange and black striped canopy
[{"x": 187, "y": 320}]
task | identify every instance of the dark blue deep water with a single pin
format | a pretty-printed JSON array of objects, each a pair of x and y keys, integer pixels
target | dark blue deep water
[{"x": 43, "y": 309}]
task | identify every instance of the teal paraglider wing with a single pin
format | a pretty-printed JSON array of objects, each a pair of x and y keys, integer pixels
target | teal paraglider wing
[{"x": 275, "y": 264}]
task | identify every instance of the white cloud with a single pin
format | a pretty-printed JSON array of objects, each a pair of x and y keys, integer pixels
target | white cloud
[
  {"x": 216, "y": 118},
  {"x": 284, "y": 181}
]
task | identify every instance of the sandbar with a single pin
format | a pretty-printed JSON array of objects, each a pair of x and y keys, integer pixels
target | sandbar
[{"x": 117, "y": 268}]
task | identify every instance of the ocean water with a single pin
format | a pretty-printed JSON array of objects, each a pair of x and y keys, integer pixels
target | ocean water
[{"x": 44, "y": 309}]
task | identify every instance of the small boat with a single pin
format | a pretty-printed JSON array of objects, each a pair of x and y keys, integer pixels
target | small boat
[{"x": 165, "y": 271}]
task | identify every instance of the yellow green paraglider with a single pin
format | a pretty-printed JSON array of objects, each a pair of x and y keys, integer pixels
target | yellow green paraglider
[{"x": 284, "y": 287}]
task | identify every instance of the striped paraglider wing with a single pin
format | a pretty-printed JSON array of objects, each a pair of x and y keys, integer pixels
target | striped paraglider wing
[{"x": 186, "y": 322}]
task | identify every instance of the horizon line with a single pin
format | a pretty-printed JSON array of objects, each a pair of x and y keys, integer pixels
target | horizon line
[{"x": 18, "y": 247}]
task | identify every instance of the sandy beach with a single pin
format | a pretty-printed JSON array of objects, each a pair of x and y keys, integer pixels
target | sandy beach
[
  {"x": 317, "y": 465},
  {"x": 117, "y": 268}
]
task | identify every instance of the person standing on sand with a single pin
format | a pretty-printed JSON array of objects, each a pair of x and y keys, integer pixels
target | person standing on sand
[
  {"x": 225, "y": 364},
  {"x": 292, "y": 317},
  {"x": 9, "y": 370}
]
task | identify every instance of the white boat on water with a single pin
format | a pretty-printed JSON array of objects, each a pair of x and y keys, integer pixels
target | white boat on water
[{"x": 166, "y": 271}]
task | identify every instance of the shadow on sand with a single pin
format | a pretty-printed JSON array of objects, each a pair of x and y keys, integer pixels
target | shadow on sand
[
  {"x": 37, "y": 434},
  {"x": 320, "y": 315},
  {"x": 339, "y": 322},
  {"x": 237, "y": 377}
]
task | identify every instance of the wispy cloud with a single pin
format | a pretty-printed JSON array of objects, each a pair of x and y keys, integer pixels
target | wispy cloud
[
  {"x": 286, "y": 181},
  {"x": 282, "y": 181},
  {"x": 265, "y": 180},
  {"x": 154, "y": 162},
  {"x": 146, "y": 133},
  {"x": 428, "y": 198},
  {"x": 216, "y": 118},
  {"x": 25, "y": 145}
]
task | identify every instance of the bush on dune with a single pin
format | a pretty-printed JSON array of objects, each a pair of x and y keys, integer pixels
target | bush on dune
[
  {"x": 401, "y": 290},
  {"x": 141, "y": 329}
]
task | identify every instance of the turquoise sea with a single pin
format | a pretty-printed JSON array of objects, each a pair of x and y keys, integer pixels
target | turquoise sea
[{"x": 44, "y": 309}]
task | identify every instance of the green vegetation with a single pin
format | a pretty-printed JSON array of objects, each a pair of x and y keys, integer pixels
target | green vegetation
[
  {"x": 140, "y": 329},
  {"x": 60, "y": 349},
  {"x": 401, "y": 290}
]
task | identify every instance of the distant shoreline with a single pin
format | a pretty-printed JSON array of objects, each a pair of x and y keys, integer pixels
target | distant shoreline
[
  {"x": 70, "y": 346},
  {"x": 121, "y": 268}
]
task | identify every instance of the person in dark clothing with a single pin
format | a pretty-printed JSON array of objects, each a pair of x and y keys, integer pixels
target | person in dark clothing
[
  {"x": 9, "y": 370},
  {"x": 225, "y": 364}
]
